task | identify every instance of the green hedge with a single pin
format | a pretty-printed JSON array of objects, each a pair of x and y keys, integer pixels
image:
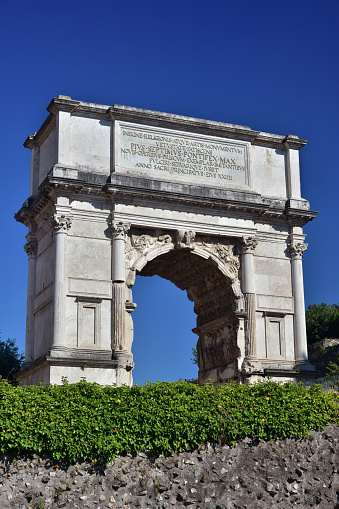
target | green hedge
[{"x": 88, "y": 422}]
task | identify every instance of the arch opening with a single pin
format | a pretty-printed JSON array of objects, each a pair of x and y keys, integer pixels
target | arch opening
[
  {"x": 220, "y": 347},
  {"x": 163, "y": 337}
]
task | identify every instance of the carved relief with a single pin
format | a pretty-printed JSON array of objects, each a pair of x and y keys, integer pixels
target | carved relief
[
  {"x": 119, "y": 230},
  {"x": 247, "y": 245},
  {"x": 184, "y": 239},
  {"x": 224, "y": 251},
  {"x": 61, "y": 223},
  {"x": 217, "y": 348},
  {"x": 144, "y": 242},
  {"x": 31, "y": 247},
  {"x": 140, "y": 244},
  {"x": 297, "y": 250}
]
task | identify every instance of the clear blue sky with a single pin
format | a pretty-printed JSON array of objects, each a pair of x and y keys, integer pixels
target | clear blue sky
[{"x": 270, "y": 65}]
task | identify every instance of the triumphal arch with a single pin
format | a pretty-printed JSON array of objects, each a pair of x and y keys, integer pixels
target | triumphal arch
[{"x": 213, "y": 207}]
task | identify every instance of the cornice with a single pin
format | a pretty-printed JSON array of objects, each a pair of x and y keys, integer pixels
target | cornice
[
  {"x": 36, "y": 139},
  {"x": 169, "y": 120},
  {"x": 122, "y": 186},
  {"x": 299, "y": 217},
  {"x": 126, "y": 188},
  {"x": 158, "y": 118}
]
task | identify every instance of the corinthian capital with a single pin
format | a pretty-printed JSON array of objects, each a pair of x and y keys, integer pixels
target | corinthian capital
[
  {"x": 61, "y": 223},
  {"x": 247, "y": 245},
  {"x": 297, "y": 250},
  {"x": 119, "y": 230},
  {"x": 31, "y": 247}
]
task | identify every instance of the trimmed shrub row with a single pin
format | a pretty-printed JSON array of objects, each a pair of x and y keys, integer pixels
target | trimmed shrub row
[{"x": 83, "y": 421}]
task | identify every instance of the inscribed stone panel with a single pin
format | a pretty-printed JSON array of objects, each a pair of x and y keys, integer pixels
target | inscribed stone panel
[{"x": 181, "y": 155}]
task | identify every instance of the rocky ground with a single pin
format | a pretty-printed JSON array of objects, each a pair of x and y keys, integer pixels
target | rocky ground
[{"x": 282, "y": 474}]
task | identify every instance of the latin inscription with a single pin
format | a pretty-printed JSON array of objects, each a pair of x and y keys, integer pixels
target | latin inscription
[{"x": 182, "y": 156}]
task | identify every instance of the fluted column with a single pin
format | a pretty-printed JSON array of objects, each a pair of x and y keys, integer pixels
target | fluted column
[
  {"x": 297, "y": 250},
  {"x": 246, "y": 247},
  {"x": 31, "y": 249},
  {"x": 61, "y": 225},
  {"x": 120, "y": 350}
]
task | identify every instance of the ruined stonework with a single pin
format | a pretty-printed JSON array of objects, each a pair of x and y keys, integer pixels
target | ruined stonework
[
  {"x": 266, "y": 474},
  {"x": 215, "y": 208}
]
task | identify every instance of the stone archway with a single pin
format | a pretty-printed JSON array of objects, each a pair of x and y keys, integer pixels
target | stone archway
[
  {"x": 167, "y": 194},
  {"x": 207, "y": 268}
]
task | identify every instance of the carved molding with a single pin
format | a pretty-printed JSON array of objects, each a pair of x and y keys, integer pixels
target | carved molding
[
  {"x": 247, "y": 245},
  {"x": 141, "y": 244},
  {"x": 297, "y": 250},
  {"x": 223, "y": 250},
  {"x": 61, "y": 223},
  {"x": 119, "y": 230}
]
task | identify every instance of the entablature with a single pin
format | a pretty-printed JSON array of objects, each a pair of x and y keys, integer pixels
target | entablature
[{"x": 152, "y": 192}]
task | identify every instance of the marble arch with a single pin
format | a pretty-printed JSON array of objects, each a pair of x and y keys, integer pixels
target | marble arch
[
  {"x": 208, "y": 270},
  {"x": 214, "y": 207}
]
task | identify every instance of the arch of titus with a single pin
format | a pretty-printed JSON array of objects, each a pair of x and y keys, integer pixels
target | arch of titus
[{"x": 213, "y": 207}]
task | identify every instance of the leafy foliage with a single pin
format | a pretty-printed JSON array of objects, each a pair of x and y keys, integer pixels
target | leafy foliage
[
  {"x": 194, "y": 357},
  {"x": 323, "y": 354},
  {"x": 10, "y": 359},
  {"x": 88, "y": 422},
  {"x": 322, "y": 321}
]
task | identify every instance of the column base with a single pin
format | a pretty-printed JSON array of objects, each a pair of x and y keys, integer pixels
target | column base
[{"x": 281, "y": 371}]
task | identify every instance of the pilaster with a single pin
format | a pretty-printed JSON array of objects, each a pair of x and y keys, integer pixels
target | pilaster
[
  {"x": 121, "y": 351},
  {"x": 60, "y": 224},
  {"x": 246, "y": 248},
  {"x": 297, "y": 250},
  {"x": 31, "y": 249}
]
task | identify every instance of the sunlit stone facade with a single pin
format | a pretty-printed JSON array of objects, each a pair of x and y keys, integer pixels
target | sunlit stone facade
[{"x": 215, "y": 208}]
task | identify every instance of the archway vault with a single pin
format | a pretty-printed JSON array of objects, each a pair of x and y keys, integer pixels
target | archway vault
[{"x": 207, "y": 268}]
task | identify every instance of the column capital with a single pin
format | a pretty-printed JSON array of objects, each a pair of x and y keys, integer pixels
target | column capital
[
  {"x": 61, "y": 223},
  {"x": 119, "y": 230},
  {"x": 31, "y": 248},
  {"x": 297, "y": 250},
  {"x": 247, "y": 245}
]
